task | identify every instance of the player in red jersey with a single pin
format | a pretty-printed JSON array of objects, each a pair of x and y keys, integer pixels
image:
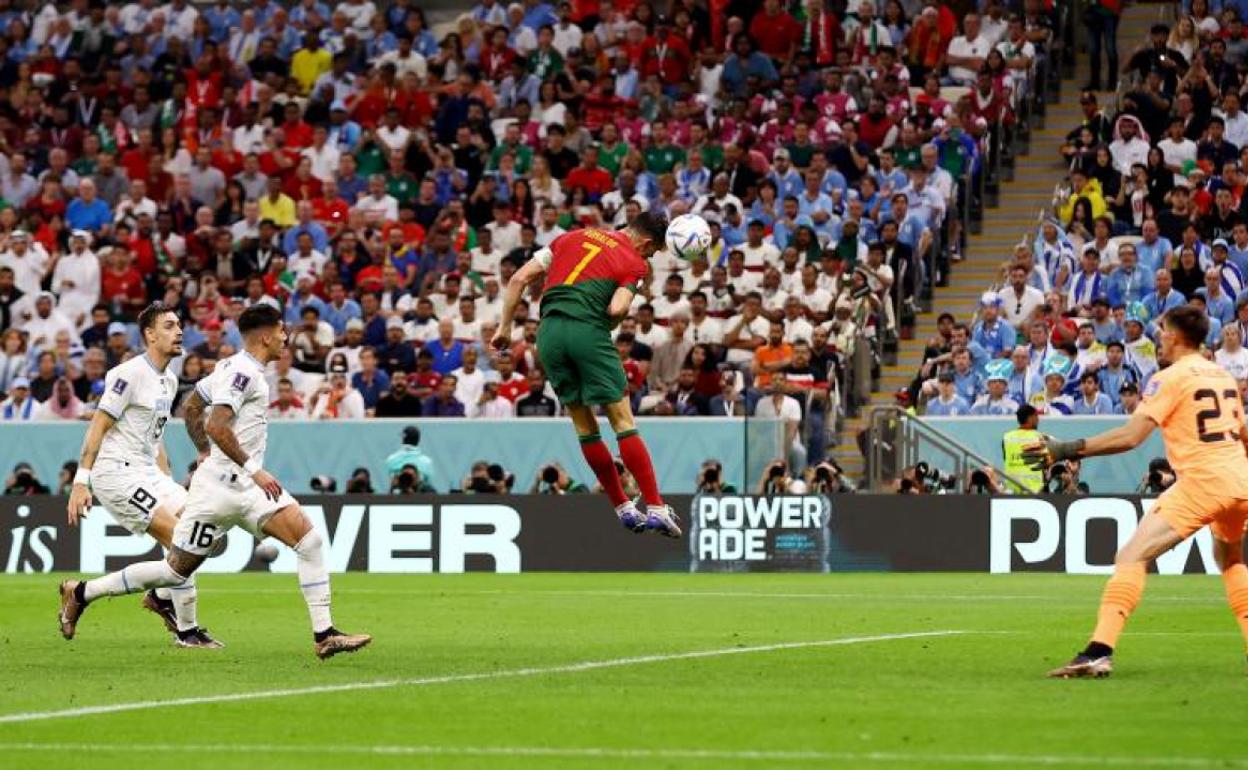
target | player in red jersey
[{"x": 591, "y": 276}]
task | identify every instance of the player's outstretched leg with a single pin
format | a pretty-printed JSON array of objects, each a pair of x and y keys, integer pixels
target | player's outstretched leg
[
  {"x": 1122, "y": 595},
  {"x": 636, "y": 457},
  {"x": 603, "y": 465},
  {"x": 292, "y": 527},
  {"x": 142, "y": 576}
]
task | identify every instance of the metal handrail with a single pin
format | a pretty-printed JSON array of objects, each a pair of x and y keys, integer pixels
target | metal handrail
[{"x": 907, "y": 432}]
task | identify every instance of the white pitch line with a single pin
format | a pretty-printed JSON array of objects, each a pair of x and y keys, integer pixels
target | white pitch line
[
  {"x": 568, "y": 668},
  {"x": 755, "y": 755}
]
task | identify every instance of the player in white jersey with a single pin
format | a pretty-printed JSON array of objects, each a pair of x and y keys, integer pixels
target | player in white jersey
[
  {"x": 231, "y": 488},
  {"x": 123, "y": 462}
]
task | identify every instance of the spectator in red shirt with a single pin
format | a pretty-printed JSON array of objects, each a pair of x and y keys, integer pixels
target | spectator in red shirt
[
  {"x": 776, "y": 32},
  {"x": 669, "y": 57},
  {"x": 596, "y": 181},
  {"x": 511, "y": 386},
  {"x": 330, "y": 210},
  {"x": 121, "y": 284}
]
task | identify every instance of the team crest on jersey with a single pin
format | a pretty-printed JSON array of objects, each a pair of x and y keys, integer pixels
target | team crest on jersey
[
  {"x": 1154, "y": 385},
  {"x": 240, "y": 382},
  {"x": 119, "y": 387}
]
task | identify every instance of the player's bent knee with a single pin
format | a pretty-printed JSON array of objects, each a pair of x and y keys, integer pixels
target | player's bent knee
[
  {"x": 309, "y": 545},
  {"x": 219, "y": 545}
]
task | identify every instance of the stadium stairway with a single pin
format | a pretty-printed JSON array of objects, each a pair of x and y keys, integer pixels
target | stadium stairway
[{"x": 1036, "y": 174}]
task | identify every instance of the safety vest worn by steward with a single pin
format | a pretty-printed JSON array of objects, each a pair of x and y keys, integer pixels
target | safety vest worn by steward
[{"x": 1012, "y": 444}]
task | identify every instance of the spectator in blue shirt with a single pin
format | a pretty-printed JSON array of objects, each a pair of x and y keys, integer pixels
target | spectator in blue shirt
[
  {"x": 1214, "y": 338},
  {"x": 1154, "y": 249},
  {"x": 947, "y": 402},
  {"x": 443, "y": 402},
  {"x": 966, "y": 378},
  {"x": 991, "y": 333},
  {"x": 302, "y": 298},
  {"x": 448, "y": 352},
  {"x": 307, "y": 224},
  {"x": 744, "y": 64},
  {"x": 1218, "y": 305},
  {"x": 1129, "y": 283},
  {"x": 1091, "y": 400},
  {"x": 1107, "y": 329},
  {"x": 1164, "y": 296},
  {"x": 996, "y": 402},
  {"x": 979, "y": 355},
  {"x": 340, "y": 309},
  {"x": 1115, "y": 373},
  {"x": 370, "y": 381},
  {"x": 88, "y": 211}
]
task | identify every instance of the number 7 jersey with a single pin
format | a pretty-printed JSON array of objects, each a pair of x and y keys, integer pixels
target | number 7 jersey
[
  {"x": 139, "y": 398},
  {"x": 583, "y": 270},
  {"x": 1196, "y": 403}
]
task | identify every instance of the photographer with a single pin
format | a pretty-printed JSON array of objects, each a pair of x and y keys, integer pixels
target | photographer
[
  {"x": 487, "y": 479},
  {"x": 983, "y": 481},
  {"x": 408, "y": 481},
  {"x": 360, "y": 483},
  {"x": 923, "y": 479},
  {"x": 827, "y": 478},
  {"x": 410, "y": 454},
  {"x": 554, "y": 480},
  {"x": 711, "y": 480},
  {"x": 1063, "y": 479},
  {"x": 1158, "y": 479},
  {"x": 777, "y": 481},
  {"x": 24, "y": 482}
]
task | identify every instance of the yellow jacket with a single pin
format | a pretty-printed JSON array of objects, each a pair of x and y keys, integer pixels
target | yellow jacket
[{"x": 1091, "y": 191}]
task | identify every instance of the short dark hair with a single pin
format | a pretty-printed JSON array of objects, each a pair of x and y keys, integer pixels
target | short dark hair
[
  {"x": 1189, "y": 322},
  {"x": 147, "y": 319},
  {"x": 1089, "y": 376},
  {"x": 1025, "y": 413},
  {"x": 650, "y": 225},
  {"x": 260, "y": 316}
]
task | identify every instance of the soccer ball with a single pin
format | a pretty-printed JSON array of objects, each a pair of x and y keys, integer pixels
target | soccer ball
[{"x": 688, "y": 236}]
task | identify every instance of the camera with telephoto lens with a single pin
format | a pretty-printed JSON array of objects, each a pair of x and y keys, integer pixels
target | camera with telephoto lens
[
  {"x": 1160, "y": 476},
  {"x": 932, "y": 479},
  {"x": 980, "y": 483},
  {"x": 496, "y": 473},
  {"x": 550, "y": 475},
  {"x": 407, "y": 480}
]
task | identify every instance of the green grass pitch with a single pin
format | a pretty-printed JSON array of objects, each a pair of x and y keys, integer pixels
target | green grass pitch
[{"x": 543, "y": 671}]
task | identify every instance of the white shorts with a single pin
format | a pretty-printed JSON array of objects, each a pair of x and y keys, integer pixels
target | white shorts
[
  {"x": 219, "y": 501},
  {"x": 132, "y": 493}
]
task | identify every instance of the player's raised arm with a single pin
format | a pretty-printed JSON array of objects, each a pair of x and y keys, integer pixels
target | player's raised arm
[
  {"x": 532, "y": 270},
  {"x": 1124, "y": 438},
  {"x": 80, "y": 494}
]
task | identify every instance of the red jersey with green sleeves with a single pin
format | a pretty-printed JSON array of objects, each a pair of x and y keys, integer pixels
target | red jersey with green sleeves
[{"x": 583, "y": 270}]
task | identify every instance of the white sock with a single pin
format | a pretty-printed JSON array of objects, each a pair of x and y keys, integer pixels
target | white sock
[
  {"x": 164, "y": 595},
  {"x": 314, "y": 580},
  {"x": 184, "y": 598},
  {"x": 133, "y": 579},
  {"x": 625, "y": 507}
]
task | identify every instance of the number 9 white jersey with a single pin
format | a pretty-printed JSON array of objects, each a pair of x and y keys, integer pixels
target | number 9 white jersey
[{"x": 139, "y": 398}]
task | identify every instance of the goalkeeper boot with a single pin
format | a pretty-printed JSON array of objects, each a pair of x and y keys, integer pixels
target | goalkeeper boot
[
  {"x": 1085, "y": 666},
  {"x": 662, "y": 519}
]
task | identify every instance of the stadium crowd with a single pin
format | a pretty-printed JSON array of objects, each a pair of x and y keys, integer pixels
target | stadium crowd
[
  {"x": 1151, "y": 216},
  {"x": 380, "y": 184}
]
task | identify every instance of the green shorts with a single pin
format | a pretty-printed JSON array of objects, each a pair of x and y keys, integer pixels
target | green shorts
[{"x": 580, "y": 361}]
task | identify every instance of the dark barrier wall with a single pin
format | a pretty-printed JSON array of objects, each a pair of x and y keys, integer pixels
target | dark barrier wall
[{"x": 456, "y": 533}]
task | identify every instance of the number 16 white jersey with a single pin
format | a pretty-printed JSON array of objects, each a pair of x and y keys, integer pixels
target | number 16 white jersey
[
  {"x": 239, "y": 383},
  {"x": 139, "y": 397}
]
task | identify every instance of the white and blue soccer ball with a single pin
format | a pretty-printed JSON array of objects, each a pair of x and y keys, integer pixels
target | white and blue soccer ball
[{"x": 688, "y": 237}]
